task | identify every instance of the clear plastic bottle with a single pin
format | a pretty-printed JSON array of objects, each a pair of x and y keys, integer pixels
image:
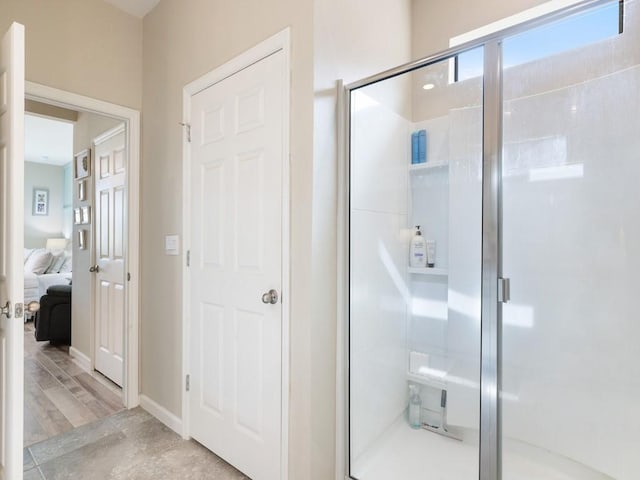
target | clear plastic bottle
[
  {"x": 418, "y": 250},
  {"x": 415, "y": 407}
]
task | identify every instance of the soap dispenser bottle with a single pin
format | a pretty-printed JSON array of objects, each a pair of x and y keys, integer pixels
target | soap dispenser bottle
[
  {"x": 415, "y": 407},
  {"x": 418, "y": 250}
]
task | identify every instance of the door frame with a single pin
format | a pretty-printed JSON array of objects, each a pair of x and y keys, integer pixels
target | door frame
[
  {"x": 131, "y": 119},
  {"x": 281, "y": 41}
]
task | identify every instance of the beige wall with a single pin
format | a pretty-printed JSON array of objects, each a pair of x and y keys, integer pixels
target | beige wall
[
  {"x": 46, "y": 110},
  {"x": 184, "y": 39},
  {"x": 87, "y": 127},
  {"x": 82, "y": 46}
]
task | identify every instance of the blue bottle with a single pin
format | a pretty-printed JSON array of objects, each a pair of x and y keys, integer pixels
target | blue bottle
[
  {"x": 422, "y": 146},
  {"x": 415, "y": 147}
]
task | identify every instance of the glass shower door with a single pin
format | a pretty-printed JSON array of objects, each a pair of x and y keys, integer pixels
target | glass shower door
[
  {"x": 571, "y": 247},
  {"x": 414, "y": 314}
]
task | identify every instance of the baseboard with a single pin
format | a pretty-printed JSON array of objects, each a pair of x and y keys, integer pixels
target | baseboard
[
  {"x": 162, "y": 414},
  {"x": 80, "y": 359}
]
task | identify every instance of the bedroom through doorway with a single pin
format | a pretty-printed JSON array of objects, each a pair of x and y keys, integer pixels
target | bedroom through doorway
[{"x": 64, "y": 388}]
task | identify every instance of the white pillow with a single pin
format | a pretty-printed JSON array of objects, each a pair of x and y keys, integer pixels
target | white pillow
[
  {"x": 56, "y": 262},
  {"x": 38, "y": 262},
  {"x": 27, "y": 254},
  {"x": 66, "y": 266}
]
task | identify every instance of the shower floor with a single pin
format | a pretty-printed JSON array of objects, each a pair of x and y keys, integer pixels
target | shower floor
[{"x": 406, "y": 453}]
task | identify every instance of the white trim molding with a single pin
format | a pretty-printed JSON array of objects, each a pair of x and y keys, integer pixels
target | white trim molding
[
  {"x": 278, "y": 42},
  {"x": 131, "y": 119},
  {"x": 165, "y": 416},
  {"x": 100, "y": 139},
  {"x": 80, "y": 359}
]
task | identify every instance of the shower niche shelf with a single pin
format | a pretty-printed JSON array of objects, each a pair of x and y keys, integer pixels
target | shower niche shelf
[
  {"x": 424, "y": 167},
  {"x": 431, "y": 380},
  {"x": 439, "y": 272}
]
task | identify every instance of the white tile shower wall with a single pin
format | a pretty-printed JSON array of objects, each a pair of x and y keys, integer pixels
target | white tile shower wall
[
  {"x": 379, "y": 255},
  {"x": 429, "y": 198},
  {"x": 380, "y": 157},
  {"x": 465, "y": 267},
  {"x": 445, "y": 313},
  {"x": 571, "y": 241}
]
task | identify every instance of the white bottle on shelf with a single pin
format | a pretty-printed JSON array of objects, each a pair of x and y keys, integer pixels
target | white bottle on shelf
[{"x": 418, "y": 250}]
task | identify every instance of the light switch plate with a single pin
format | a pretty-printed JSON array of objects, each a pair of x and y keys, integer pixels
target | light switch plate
[{"x": 172, "y": 245}]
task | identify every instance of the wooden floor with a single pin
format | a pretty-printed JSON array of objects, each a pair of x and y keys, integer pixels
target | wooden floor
[{"x": 59, "y": 395}]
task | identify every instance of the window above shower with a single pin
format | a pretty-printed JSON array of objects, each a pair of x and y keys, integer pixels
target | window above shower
[{"x": 569, "y": 34}]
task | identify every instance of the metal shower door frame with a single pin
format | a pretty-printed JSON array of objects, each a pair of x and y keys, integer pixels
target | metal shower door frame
[{"x": 491, "y": 318}]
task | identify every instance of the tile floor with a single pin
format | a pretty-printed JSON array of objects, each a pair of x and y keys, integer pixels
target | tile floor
[
  {"x": 77, "y": 428},
  {"x": 128, "y": 445}
]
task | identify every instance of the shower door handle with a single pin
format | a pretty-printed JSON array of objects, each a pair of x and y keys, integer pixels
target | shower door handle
[{"x": 504, "y": 290}]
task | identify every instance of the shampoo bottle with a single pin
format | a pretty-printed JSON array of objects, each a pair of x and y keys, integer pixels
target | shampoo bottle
[
  {"x": 418, "y": 250},
  {"x": 415, "y": 407}
]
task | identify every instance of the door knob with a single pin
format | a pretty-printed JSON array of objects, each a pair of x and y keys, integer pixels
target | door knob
[
  {"x": 270, "y": 297},
  {"x": 6, "y": 310},
  {"x": 32, "y": 307},
  {"x": 94, "y": 269}
]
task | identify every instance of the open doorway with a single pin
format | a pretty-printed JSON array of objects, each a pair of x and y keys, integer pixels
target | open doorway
[
  {"x": 68, "y": 389},
  {"x": 68, "y": 383}
]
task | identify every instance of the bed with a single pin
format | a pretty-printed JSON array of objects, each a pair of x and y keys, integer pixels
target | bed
[
  {"x": 35, "y": 286},
  {"x": 42, "y": 269}
]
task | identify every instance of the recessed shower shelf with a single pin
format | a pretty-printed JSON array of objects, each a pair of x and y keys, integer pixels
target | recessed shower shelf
[
  {"x": 440, "y": 272},
  {"x": 421, "y": 167},
  {"x": 431, "y": 381}
]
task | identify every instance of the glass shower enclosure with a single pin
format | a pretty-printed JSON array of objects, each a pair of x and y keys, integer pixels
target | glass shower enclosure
[{"x": 502, "y": 340}]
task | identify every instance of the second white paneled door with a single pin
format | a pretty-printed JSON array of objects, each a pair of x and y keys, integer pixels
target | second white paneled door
[
  {"x": 110, "y": 221},
  {"x": 237, "y": 150}
]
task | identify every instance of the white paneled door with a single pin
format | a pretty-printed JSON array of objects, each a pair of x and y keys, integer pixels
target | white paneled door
[
  {"x": 237, "y": 151},
  {"x": 11, "y": 245},
  {"x": 110, "y": 220}
]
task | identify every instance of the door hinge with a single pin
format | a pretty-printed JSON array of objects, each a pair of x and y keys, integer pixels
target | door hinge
[
  {"x": 187, "y": 383},
  {"x": 504, "y": 290},
  {"x": 188, "y": 258},
  {"x": 187, "y": 126},
  {"x": 128, "y": 277}
]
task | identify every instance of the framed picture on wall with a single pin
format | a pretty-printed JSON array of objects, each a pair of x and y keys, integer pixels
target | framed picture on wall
[
  {"x": 40, "y": 201},
  {"x": 83, "y": 164}
]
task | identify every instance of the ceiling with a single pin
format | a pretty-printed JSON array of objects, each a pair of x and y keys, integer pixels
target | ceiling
[
  {"x": 47, "y": 141},
  {"x": 137, "y": 8}
]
